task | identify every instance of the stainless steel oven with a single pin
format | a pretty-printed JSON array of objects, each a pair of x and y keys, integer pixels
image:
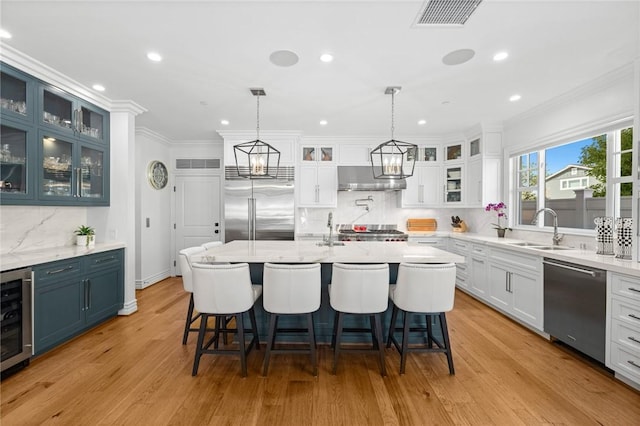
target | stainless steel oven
[{"x": 15, "y": 318}]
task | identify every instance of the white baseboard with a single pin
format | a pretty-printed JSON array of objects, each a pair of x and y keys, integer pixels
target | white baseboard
[
  {"x": 146, "y": 282},
  {"x": 129, "y": 307}
]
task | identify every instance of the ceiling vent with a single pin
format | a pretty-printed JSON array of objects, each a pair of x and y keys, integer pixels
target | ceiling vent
[
  {"x": 446, "y": 12},
  {"x": 198, "y": 163}
]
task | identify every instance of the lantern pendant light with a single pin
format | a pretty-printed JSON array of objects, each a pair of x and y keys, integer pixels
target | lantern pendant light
[
  {"x": 393, "y": 159},
  {"x": 257, "y": 159}
]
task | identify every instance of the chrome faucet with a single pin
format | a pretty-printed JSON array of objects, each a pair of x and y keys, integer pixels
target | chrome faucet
[
  {"x": 556, "y": 237},
  {"x": 330, "y": 226}
]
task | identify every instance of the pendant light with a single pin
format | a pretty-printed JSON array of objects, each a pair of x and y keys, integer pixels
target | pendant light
[
  {"x": 257, "y": 159},
  {"x": 393, "y": 159}
]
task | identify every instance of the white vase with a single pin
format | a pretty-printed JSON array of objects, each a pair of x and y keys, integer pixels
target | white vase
[{"x": 86, "y": 240}]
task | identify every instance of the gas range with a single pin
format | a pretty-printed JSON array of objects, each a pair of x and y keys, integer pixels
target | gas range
[{"x": 370, "y": 233}]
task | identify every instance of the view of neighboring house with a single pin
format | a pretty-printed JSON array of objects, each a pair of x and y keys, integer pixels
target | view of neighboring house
[{"x": 561, "y": 184}]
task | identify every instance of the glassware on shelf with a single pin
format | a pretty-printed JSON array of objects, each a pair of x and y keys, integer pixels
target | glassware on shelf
[
  {"x": 604, "y": 235},
  {"x": 624, "y": 237}
]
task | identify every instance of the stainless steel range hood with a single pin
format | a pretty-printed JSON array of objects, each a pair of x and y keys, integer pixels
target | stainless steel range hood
[{"x": 360, "y": 178}]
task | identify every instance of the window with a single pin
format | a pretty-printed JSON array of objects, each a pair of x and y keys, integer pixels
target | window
[{"x": 583, "y": 179}]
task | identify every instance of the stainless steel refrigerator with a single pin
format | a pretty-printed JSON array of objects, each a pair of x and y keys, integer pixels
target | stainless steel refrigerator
[{"x": 261, "y": 209}]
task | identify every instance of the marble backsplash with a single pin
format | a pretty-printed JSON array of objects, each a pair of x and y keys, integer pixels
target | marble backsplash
[{"x": 38, "y": 227}]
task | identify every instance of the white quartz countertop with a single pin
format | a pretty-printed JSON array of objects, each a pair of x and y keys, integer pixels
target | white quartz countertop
[
  {"x": 310, "y": 252},
  {"x": 36, "y": 257}
]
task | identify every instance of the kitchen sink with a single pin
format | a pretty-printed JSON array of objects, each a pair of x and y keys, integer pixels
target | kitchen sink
[
  {"x": 526, "y": 244},
  {"x": 552, "y": 248}
]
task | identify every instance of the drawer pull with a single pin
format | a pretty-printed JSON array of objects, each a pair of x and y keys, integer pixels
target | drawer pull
[
  {"x": 634, "y": 317},
  {"x": 634, "y": 364},
  {"x": 634, "y": 289},
  {"x": 57, "y": 271},
  {"x": 105, "y": 259},
  {"x": 633, "y": 339}
]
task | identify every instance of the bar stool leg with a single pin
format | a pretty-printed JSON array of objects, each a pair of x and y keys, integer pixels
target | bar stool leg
[
  {"x": 378, "y": 327},
  {"x": 243, "y": 355},
  {"x": 254, "y": 327},
  {"x": 338, "y": 335},
  {"x": 201, "y": 332},
  {"x": 270, "y": 342},
  {"x": 392, "y": 325},
  {"x": 447, "y": 344},
  {"x": 187, "y": 326},
  {"x": 429, "y": 331},
  {"x": 312, "y": 344},
  {"x": 405, "y": 341},
  {"x": 374, "y": 337},
  {"x": 335, "y": 327}
]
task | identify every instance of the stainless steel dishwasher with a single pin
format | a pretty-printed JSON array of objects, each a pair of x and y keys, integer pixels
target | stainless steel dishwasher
[{"x": 575, "y": 300}]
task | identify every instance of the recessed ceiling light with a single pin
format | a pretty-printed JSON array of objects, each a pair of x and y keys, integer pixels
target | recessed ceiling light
[
  {"x": 98, "y": 87},
  {"x": 5, "y": 34},
  {"x": 323, "y": 122},
  {"x": 154, "y": 56},
  {"x": 500, "y": 56},
  {"x": 283, "y": 58},
  {"x": 458, "y": 57},
  {"x": 515, "y": 97},
  {"x": 224, "y": 122},
  {"x": 326, "y": 57},
  {"x": 422, "y": 122}
]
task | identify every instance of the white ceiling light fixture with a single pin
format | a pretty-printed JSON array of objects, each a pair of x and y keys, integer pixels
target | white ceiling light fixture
[
  {"x": 5, "y": 34},
  {"x": 284, "y": 58},
  {"x": 326, "y": 57},
  {"x": 422, "y": 122},
  {"x": 515, "y": 98},
  {"x": 500, "y": 56},
  {"x": 98, "y": 87},
  {"x": 323, "y": 122},
  {"x": 224, "y": 122},
  {"x": 393, "y": 159},
  {"x": 154, "y": 57},
  {"x": 257, "y": 159}
]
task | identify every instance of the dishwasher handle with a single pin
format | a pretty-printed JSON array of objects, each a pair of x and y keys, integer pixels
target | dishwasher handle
[{"x": 573, "y": 268}]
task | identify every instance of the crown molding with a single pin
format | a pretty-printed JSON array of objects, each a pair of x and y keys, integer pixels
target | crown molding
[
  {"x": 127, "y": 106},
  {"x": 146, "y": 132}
]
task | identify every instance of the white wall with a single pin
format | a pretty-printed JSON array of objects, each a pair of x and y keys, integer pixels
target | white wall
[{"x": 153, "y": 257}]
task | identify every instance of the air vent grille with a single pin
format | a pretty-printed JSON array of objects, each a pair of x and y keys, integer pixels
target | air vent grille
[
  {"x": 198, "y": 163},
  {"x": 284, "y": 172},
  {"x": 447, "y": 12}
]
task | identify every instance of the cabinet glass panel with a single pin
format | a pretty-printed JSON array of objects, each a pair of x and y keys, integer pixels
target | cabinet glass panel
[
  {"x": 308, "y": 153},
  {"x": 91, "y": 180},
  {"x": 326, "y": 153},
  {"x": 430, "y": 154},
  {"x": 57, "y": 110},
  {"x": 454, "y": 152},
  {"x": 474, "y": 147},
  {"x": 454, "y": 185},
  {"x": 13, "y": 160},
  {"x": 56, "y": 164},
  {"x": 91, "y": 123},
  {"x": 13, "y": 94}
]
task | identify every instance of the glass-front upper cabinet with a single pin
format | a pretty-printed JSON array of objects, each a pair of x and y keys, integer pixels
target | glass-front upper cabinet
[
  {"x": 453, "y": 152},
  {"x": 69, "y": 114},
  {"x": 453, "y": 185},
  {"x": 322, "y": 154},
  {"x": 16, "y": 94},
  {"x": 72, "y": 171},
  {"x": 15, "y": 182},
  {"x": 474, "y": 147}
]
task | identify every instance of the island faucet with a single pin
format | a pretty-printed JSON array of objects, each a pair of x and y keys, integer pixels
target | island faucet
[
  {"x": 330, "y": 226},
  {"x": 556, "y": 237}
]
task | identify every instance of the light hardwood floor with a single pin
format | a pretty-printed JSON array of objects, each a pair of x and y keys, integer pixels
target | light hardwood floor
[{"x": 135, "y": 371}]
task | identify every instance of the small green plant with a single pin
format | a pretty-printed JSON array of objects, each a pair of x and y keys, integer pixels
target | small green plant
[{"x": 85, "y": 230}]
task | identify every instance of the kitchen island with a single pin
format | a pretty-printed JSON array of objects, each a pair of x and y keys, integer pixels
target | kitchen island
[{"x": 256, "y": 253}]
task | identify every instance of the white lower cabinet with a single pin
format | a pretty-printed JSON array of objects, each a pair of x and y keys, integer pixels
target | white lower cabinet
[
  {"x": 477, "y": 260},
  {"x": 515, "y": 285},
  {"x": 318, "y": 186},
  {"x": 623, "y": 326},
  {"x": 462, "y": 271}
]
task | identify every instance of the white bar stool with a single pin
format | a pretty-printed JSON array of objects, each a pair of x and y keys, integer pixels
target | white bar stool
[
  {"x": 427, "y": 289},
  {"x": 222, "y": 290},
  {"x": 187, "y": 283},
  {"x": 363, "y": 290},
  {"x": 291, "y": 290}
]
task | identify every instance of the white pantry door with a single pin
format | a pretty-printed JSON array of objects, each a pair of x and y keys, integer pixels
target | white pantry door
[{"x": 198, "y": 214}]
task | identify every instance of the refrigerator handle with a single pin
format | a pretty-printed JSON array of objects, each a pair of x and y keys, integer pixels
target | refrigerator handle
[{"x": 252, "y": 219}]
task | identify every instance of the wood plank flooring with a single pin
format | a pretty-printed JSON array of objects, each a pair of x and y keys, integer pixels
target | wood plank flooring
[{"x": 135, "y": 371}]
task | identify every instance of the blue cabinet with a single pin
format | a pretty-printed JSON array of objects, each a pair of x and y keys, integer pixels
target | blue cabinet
[
  {"x": 71, "y": 296},
  {"x": 55, "y": 146}
]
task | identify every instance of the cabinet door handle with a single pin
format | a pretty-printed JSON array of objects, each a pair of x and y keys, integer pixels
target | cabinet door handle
[
  {"x": 421, "y": 193},
  {"x": 105, "y": 259},
  {"x": 633, "y": 339},
  {"x": 634, "y": 289},
  {"x": 572, "y": 268},
  {"x": 634, "y": 317},
  {"x": 506, "y": 282},
  {"x": 84, "y": 284},
  {"x": 89, "y": 294},
  {"x": 317, "y": 193},
  {"x": 633, "y": 363},
  {"x": 57, "y": 271}
]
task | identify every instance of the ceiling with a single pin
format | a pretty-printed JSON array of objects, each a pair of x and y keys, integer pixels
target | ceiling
[{"x": 214, "y": 51}]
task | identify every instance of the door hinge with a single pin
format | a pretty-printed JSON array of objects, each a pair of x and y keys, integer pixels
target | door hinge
[{"x": 174, "y": 226}]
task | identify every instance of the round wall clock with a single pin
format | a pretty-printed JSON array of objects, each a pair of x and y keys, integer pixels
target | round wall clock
[{"x": 157, "y": 174}]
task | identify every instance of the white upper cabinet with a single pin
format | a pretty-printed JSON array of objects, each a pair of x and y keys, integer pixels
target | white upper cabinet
[
  {"x": 424, "y": 188},
  {"x": 317, "y": 186}
]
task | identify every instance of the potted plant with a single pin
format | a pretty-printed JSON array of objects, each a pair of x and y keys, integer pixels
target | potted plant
[
  {"x": 499, "y": 208},
  {"x": 85, "y": 236}
]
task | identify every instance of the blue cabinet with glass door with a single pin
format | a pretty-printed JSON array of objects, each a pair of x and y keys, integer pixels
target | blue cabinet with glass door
[{"x": 57, "y": 145}]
